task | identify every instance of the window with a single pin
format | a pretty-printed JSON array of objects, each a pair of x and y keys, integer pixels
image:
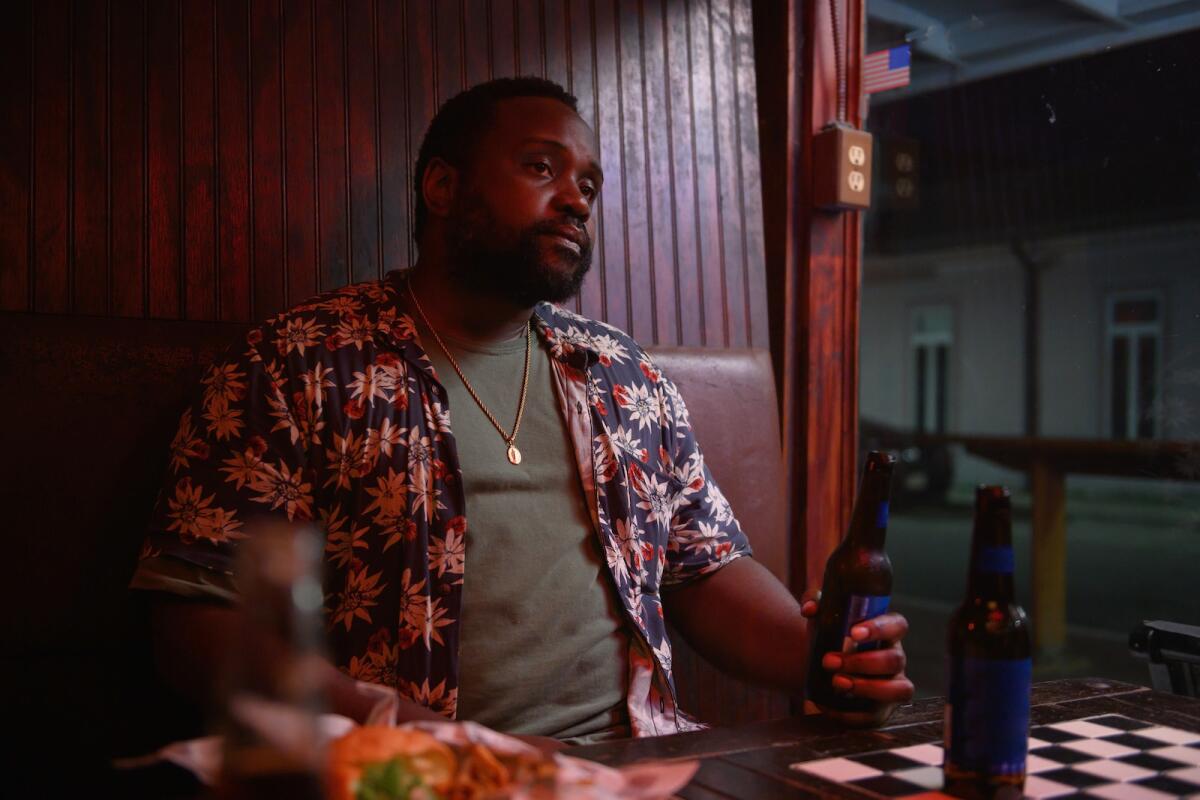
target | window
[
  {"x": 930, "y": 339},
  {"x": 1031, "y": 308},
  {"x": 1134, "y": 348}
]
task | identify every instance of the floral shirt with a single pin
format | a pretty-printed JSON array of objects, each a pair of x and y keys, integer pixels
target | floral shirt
[{"x": 331, "y": 411}]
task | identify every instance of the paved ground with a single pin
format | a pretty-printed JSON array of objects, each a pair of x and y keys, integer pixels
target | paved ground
[{"x": 1127, "y": 562}]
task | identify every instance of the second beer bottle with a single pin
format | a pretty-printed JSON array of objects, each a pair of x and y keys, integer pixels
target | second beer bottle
[
  {"x": 857, "y": 584},
  {"x": 986, "y": 728}
]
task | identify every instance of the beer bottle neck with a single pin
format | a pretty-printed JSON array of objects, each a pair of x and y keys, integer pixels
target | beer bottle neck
[
  {"x": 868, "y": 523},
  {"x": 992, "y": 560}
]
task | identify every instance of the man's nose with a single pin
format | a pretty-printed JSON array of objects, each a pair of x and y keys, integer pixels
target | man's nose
[{"x": 571, "y": 200}]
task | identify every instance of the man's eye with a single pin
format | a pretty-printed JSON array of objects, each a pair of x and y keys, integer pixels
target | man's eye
[
  {"x": 588, "y": 191},
  {"x": 540, "y": 167}
]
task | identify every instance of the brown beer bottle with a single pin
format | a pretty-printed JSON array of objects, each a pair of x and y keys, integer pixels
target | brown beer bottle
[
  {"x": 986, "y": 726},
  {"x": 857, "y": 584}
]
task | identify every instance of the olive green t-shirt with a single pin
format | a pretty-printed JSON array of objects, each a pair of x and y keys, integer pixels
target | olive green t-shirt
[{"x": 543, "y": 648}]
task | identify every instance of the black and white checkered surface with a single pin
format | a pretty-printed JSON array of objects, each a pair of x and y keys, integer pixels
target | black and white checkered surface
[{"x": 1108, "y": 756}]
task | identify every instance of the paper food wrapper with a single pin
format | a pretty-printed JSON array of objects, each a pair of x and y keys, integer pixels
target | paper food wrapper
[{"x": 577, "y": 779}]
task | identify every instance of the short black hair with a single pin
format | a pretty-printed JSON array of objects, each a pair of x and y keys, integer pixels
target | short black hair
[{"x": 454, "y": 130}]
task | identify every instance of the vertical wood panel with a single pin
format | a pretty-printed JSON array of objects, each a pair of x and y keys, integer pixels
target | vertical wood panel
[
  {"x": 333, "y": 216},
  {"x": 266, "y": 158},
  {"x": 52, "y": 156},
  {"x": 590, "y": 301},
  {"x": 233, "y": 161},
  {"x": 448, "y": 52},
  {"x": 725, "y": 120},
  {"x": 639, "y": 229},
  {"x": 422, "y": 102},
  {"x": 527, "y": 17},
  {"x": 750, "y": 182},
  {"x": 610, "y": 236},
  {"x": 714, "y": 332},
  {"x": 659, "y": 152},
  {"x": 477, "y": 43},
  {"x": 164, "y": 140},
  {"x": 504, "y": 39},
  {"x": 199, "y": 161},
  {"x": 300, "y": 157},
  {"x": 223, "y": 159},
  {"x": 90, "y": 197},
  {"x": 689, "y": 298},
  {"x": 128, "y": 183},
  {"x": 397, "y": 150},
  {"x": 363, "y": 140},
  {"x": 16, "y": 49},
  {"x": 557, "y": 41}
]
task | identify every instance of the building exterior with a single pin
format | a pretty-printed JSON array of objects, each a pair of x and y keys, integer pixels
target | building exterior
[{"x": 1117, "y": 342}]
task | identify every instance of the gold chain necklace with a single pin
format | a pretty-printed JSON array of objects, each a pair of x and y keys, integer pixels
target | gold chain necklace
[{"x": 514, "y": 455}]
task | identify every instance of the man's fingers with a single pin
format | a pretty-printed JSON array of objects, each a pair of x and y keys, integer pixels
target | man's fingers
[
  {"x": 890, "y": 661},
  {"x": 886, "y": 627},
  {"x": 810, "y": 602}
]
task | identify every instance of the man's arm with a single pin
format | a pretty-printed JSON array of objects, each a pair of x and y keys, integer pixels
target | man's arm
[
  {"x": 193, "y": 640},
  {"x": 743, "y": 620}
]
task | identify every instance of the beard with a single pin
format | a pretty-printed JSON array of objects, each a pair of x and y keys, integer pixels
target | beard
[{"x": 525, "y": 270}]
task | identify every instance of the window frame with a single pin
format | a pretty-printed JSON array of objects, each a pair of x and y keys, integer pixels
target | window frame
[
  {"x": 931, "y": 341},
  {"x": 1132, "y": 331}
]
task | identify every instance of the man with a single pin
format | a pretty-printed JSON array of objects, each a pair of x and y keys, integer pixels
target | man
[{"x": 449, "y": 415}]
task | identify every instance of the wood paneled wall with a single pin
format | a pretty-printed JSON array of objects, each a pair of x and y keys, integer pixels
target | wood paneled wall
[{"x": 221, "y": 159}]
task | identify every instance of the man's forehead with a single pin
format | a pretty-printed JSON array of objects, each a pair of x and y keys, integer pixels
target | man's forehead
[{"x": 530, "y": 119}]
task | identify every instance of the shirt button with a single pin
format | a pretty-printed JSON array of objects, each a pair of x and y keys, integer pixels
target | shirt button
[{"x": 579, "y": 406}]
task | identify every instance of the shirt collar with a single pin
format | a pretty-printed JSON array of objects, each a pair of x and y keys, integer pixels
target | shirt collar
[{"x": 549, "y": 322}]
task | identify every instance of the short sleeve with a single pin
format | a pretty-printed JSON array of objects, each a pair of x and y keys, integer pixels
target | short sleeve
[
  {"x": 705, "y": 534},
  {"x": 239, "y": 452}
]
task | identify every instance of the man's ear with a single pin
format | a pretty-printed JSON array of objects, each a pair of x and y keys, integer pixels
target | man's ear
[{"x": 439, "y": 185}]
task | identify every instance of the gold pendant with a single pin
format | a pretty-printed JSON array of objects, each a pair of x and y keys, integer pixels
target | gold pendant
[{"x": 514, "y": 455}]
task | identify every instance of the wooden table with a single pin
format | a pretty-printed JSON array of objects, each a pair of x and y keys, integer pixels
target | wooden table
[{"x": 751, "y": 761}]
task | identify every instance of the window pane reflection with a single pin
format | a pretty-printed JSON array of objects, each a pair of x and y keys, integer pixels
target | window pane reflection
[{"x": 1031, "y": 295}]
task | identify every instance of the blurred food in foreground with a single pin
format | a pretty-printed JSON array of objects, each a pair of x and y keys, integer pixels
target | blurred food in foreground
[{"x": 381, "y": 763}]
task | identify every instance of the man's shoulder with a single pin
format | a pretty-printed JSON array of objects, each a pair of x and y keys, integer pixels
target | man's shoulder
[
  {"x": 346, "y": 316},
  {"x": 365, "y": 299},
  {"x": 610, "y": 343}
]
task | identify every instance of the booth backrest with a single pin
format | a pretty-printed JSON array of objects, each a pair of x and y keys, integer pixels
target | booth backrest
[{"x": 90, "y": 406}]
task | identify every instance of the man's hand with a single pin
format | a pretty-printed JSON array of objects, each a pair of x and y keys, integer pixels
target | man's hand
[{"x": 873, "y": 674}]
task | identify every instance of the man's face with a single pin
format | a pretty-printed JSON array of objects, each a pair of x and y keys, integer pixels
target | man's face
[{"x": 522, "y": 227}]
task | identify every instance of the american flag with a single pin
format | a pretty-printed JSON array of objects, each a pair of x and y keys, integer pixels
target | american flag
[{"x": 887, "y": 69}]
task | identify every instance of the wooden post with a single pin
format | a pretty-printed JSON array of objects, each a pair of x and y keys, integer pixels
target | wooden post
[
  {"x": 820, "y": 314},
  {"x": 1049, "y": 557}
]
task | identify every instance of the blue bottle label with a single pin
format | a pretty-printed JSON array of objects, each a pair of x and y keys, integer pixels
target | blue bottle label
[
  {"x": 997, "y": 560},
  {"x": 881, "y": 516},
  {"x": 858, "y": 608},
  {"x": 987, "y": 715}
]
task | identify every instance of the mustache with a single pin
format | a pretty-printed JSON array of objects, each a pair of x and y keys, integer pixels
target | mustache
[{"x": 552, "y": 227}]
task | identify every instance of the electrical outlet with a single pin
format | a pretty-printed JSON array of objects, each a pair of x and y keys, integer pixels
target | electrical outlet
[{"x": 842, "y": 168}]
